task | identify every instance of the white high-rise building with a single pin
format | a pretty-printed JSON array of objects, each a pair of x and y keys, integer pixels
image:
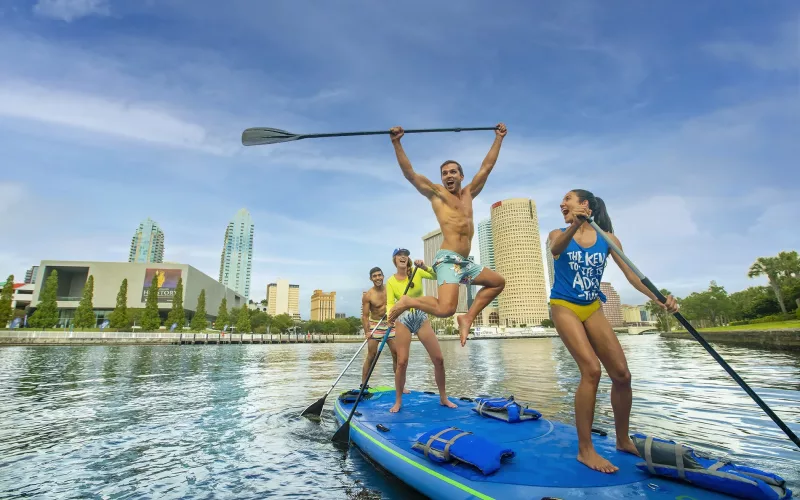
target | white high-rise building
[
  {"x": 237, "y": 254},
  {"x": 432, "y": 242},
  {"x": 147, "y": 244},
  {"x": 486, "y": 247}
]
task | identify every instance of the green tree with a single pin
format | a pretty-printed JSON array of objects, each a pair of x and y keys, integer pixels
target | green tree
[
  {"x": 84, "y": 314},
  {"x": 177, "y": 314},
  {"x": 243, "y": 321},
  {"x": 355, "y": 323},
  {"x": 6, "y": 297},
  {"x": 222, "y": 314},
  {"x": 713, "y": 305},
  {"x": 771, "y": 268},
  {"x": 233, "y": 316},
  {"x": 119, "y": 316},
  {"x": 258, "y": 321},
  {"x": 282, "y": 322},
  {"x": 753, "y": 302},
  {"x": 46, "y": 314},
  {"x": 343, "y": 327},
  {"x": 199, "y": 321},
  {"x": 663, "y": 318},
  {"x": 151, "y": 320},
  {"x": 548, "y": 323}
]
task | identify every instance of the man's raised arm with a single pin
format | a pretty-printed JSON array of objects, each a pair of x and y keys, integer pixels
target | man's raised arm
[
  {"x": 476, "y": 186},
  {"x": 419, "y": 181}
]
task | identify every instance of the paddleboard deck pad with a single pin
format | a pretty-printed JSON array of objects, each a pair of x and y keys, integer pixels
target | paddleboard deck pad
[{"x": 532, "y": 458}]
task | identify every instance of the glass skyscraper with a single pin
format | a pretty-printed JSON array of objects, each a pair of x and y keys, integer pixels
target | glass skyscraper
[
  {"x": 237, "y": 254},
  {"x": 486, "y": 248},
  {"x": 147, "y": 244}
]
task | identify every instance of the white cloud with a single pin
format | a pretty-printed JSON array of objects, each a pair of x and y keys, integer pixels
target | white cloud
[
  {"x": 100, "y": 115},
  {"x": 779, "y": 54},
  {"x": 70, "y": 10}
]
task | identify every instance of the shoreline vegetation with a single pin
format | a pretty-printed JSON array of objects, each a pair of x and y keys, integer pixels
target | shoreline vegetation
[{"x": 755, "y": 309}]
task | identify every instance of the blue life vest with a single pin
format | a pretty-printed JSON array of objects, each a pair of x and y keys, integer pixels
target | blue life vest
[
  {"x": 451, "y": 444},
  {"x": 680, "y": 462},
  {"x": 505, "y": 409},
  {"x": 578, "y": 272}
]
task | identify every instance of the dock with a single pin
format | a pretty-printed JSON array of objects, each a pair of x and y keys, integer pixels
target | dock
[{"x": 60, "y": 337}]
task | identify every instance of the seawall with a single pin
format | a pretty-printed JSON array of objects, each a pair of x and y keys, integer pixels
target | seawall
[{"x": 778, "y": 340}]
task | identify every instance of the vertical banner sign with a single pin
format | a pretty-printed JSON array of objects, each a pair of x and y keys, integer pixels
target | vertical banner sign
[{"x": 167, "y": 281}]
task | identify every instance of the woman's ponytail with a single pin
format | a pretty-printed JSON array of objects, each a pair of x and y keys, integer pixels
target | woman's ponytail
[{"x": 598, "y": 208}]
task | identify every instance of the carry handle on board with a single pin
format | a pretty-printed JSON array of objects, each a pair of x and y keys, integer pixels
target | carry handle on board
[
  {"x": 342, "y": 435},
  {"x": 650, "y": 286}
]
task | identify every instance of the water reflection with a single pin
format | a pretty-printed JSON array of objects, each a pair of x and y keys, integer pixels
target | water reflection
[{"x": 194, "y": 421}]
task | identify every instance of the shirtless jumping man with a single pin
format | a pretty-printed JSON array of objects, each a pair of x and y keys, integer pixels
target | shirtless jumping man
[
  {"x": 373, "y": 307},
  {"x": 452, "y": 206}
]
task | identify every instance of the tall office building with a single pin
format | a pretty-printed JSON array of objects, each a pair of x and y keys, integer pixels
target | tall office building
[
  {"x": 283, "y": 298},
  {"x": 486, "y": 247},
  {"x": 631, "y": 314},
  {"x": 518, "y": 257},
  {"x": 323, "y": 305},
  {"x": 432, "y": 242},
  {"x": 147, "y": 244},
  {"x": 237, "y": 254},
  {"x": 30, "y": 275},
  {"x": 612, "y": 308}
]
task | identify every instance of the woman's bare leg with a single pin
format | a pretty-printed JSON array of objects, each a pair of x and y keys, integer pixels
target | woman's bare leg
[{"x": 428, "y": 339}]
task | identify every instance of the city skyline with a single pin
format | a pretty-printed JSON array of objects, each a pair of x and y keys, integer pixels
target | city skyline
[
  {"x": 685, "y": 131},
  {"x": 237, "y": 253}
]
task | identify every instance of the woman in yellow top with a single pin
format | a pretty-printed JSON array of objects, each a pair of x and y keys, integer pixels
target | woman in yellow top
[{"x": 412, "y": 322}]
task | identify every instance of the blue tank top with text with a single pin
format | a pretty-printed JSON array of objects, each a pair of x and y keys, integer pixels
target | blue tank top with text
[{"x": 578, "y": 272}]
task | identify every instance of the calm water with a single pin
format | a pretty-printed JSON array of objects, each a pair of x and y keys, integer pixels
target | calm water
[{"x": 221, "y": 421}]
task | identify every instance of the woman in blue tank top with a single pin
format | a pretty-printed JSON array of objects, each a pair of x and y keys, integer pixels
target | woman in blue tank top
[{"x": 579, "y": 258}]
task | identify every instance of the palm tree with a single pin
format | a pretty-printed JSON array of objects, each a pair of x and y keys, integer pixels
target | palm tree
[{"x": 771, "y": 268}]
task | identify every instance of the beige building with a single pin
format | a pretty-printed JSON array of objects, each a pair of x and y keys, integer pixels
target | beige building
[
  {"x": 630, "y": 314},
  {"x": 283, "y": 298},
  {"x": 612, "y": 308},
  {"x": 323, "y": 306},
  {"x": 432, "y": 242},
  {"x": 108, "y": 276},
  {"x": 518, "y": 258}
]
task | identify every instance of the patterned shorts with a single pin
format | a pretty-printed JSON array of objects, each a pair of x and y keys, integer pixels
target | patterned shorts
[
  {"x": 451, "y": 267},
  {"x": 380, "y": 331},
  {"x": 413, "y": 319}
]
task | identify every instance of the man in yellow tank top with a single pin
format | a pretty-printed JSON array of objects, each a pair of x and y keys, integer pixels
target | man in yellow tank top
[{"x": 412, "y": 322}]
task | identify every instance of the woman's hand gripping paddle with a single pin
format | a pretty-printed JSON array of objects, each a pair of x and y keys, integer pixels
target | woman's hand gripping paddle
[
  {"x": 316, "y": 407},
  {"x": 650, "y": 286},
  {"x": 342, "y": 435}
]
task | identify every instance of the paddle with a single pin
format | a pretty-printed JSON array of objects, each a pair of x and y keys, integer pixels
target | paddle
[
  {"x": 646, "y": 281},
  {"x": 342, "y": 435},
  {"x": 316, "y": 407},
  {"x": 255, "y": 136}
]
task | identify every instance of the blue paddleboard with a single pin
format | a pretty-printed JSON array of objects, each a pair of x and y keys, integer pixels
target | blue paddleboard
[{"x": 543, "y": 466}]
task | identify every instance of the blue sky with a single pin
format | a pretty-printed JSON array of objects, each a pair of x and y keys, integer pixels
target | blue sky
[{"x": 679, "y": 114}]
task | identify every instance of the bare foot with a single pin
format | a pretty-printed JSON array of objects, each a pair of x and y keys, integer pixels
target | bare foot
[
  {"x": 463, "y": 328},
  {"x": 594, "y": 461},
  {"x": 446, "y": 402},
  {"x": 627, "y": 446},
  {"x": 406, "y": 391},
  {"x": 395, "y": 408}
]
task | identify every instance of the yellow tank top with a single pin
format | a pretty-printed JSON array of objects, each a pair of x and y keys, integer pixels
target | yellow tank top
[{"x": 395, "y": 287}]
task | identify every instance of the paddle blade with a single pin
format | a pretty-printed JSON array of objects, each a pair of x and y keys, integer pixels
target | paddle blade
[
  {"x": 261, "y": 135},
  {"x": 342, "y": 436},
  {"x": 314, "y": 408}
]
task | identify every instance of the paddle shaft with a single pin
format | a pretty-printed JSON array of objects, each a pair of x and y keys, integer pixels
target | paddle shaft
[
  {"x": 383, "y": 132},
  {"x": 650, "y": 286},
  {"x": 354, "y": 356},
  {"x": 374, "y": 363}
]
